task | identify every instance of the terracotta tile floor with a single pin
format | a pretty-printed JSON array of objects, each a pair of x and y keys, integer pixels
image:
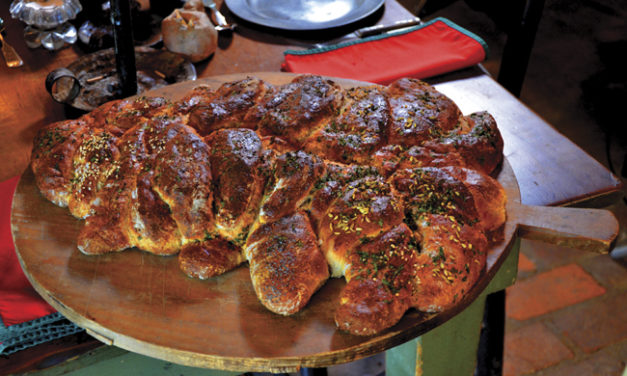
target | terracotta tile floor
[{"x": 566, "y": 314}]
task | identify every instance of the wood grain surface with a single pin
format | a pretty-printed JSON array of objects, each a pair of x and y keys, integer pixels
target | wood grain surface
[{"x": 144, "y": 303}]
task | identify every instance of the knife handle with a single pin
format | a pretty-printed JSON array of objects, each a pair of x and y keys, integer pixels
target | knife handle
[
  {"x": 379, "y": 29},
  {"x": 11, "y": 57}
]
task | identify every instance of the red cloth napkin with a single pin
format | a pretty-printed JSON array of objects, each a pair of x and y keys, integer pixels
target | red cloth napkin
[
  {"x": 18, "y": 301},
  {"x": 435, "y": 47}
]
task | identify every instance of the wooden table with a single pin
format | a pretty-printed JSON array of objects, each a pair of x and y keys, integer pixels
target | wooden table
[{"x": 550, "y": 169}]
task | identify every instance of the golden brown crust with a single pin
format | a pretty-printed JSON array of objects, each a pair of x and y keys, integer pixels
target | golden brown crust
[
  {"x": 92, "y": 163},
  {"x": 381, "y": 279},
  {"x": 329, "y": 186},
  {"x": 419, "y": 113},
  {"x": 432, "y": 190},
  {"x": 295, "y": 110},
  {"x": 452, "y": 258},
  {"x": 286, "y": 265},
  {"x": 487, "y": 193},
  {"x": 293, "y": 177},
  {"x": 365, "y": 207},
  {"x": 106, "y": 230},
  {"x": 239, "y": 176},
  {"x": 198, "y": 96},
  {"x": 386, "y": 186},
  {"x": 181, "y": 175},
  {"x": 228, "y": 106},
  {"x": 393, "y": 157},
  {"x": 153, "y": 229},
  {"x": 209, "y": 258},
  {"x": 116, "y": 222},
  {"x": 357, "y": 131},
  {"x": 367, "y": 307},
  {"x": 117, "y": 116},
  {"x": 51, "y": 159},
  {"x": 480, "y": 145}
]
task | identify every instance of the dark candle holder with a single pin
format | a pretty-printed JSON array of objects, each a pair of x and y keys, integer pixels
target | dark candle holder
[{"x": 124, "y": 47}]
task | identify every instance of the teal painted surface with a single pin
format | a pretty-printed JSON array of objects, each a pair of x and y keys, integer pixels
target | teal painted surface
[
  {"x": 451, "y": 348},
  {"x": 113, "y": 361},
  {"x": 506, "y": 276},
  {"x": 401, "y": 360}
]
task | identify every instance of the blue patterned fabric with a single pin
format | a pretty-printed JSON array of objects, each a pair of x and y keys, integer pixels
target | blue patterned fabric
[{"x": 22, "y": 336}]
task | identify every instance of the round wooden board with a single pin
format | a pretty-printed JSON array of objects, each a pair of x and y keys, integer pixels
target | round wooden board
[{"x": 145, "y": 304}]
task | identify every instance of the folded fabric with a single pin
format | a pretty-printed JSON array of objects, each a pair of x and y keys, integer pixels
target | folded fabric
[
  {"x": 435, "y": 47},
  {"x": 25, "y": 318}
]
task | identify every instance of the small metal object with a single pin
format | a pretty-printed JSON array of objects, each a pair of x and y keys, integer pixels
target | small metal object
[
  {"x": 94, "y": 79},
  {"x": 52, "y": 39},
  {"x": 380, "y": 29},
  {"x": 371, "y": 31},
  {"x": 44, "y": 14},
  {"x": 63, "y": 85},
  {"x": 47, "y": 22},
  {"x": 217, "y": 17},
  {"x": 11, "y": 57}
]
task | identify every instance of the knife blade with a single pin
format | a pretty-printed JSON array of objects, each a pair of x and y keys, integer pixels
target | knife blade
[
  {"x": 217, "y": 17},
  {"x": 371, "y": 31}
]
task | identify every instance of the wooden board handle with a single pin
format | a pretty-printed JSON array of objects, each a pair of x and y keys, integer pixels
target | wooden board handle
[{"x": 593, "y": 230}]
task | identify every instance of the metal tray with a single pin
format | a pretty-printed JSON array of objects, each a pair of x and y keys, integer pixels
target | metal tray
[{"x": 303, "y": 14}]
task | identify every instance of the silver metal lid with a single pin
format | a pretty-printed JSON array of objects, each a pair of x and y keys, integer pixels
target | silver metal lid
[{"x": 45, "y": 14}]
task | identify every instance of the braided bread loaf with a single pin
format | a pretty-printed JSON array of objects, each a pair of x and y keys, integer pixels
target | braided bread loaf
[{"x": 388, "y": 187}]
